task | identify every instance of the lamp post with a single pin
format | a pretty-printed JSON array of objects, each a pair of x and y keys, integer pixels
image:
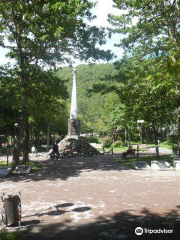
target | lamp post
[
  {"x": 7, "y": 152},
  {"x": 16, "y": 126},
  {"x": 140, "y": 122},
  {"x": 16, "y": 147}
]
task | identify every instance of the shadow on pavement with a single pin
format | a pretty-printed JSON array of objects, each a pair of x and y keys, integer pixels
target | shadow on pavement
[
  {"x": 81, "y": 209},
  {"x": 57, "y": 211},
  {"x": 71, "y": 167},
  {"x": 118, "y": 226},
  {"x": 31, "y": 222}
]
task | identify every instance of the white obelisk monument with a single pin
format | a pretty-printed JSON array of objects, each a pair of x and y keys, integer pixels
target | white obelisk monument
[{"x": 73, "y": 122}]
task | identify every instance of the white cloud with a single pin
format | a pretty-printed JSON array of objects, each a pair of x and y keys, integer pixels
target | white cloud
[
  {"x": 102, "y": 9},
  {"x": 3, "y": 58}
]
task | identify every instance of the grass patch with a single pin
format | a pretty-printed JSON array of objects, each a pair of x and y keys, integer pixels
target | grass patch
[
  {"x": 35, "y": 165},
  {"x": 123, "y": 149},
  {"x": 115, "y": 149},
  {"x": 165, "y": 145},
  {"x": 148, "y": 159},
  {"x": 4, "y": 164},
  {"x": 12, "y": 236}
]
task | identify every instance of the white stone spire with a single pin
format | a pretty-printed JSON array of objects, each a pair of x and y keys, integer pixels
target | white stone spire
[{"x": 74, "y": 110}]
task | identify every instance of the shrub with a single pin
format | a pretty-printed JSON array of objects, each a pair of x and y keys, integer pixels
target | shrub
[
  {"x": 12, "y": 235},
  {"x": 2, "y": 150},
  {"x": 107, "y": 142},
  {"x": 92, "y": 139},
  {"x": 117, "y": 144}
]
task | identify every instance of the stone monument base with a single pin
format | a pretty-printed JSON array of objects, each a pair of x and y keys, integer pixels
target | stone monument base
[
  {"x": 72, "y": 136},
  {"x": 79, "y": 145},
  {"x": 73, "y": 127}
]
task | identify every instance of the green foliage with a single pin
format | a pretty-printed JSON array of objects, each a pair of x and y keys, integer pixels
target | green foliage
[
  {"x": 12, "y": 236},
  {"x": 91, "y": 106},
  {"x": 150, "y": 28},
  {"x": 4, "y": 164},
  {"x": 144, "y": 84},
  {"x": 147, "y": 83},
  {"x": 107, "y": 142},
  {"x": 35, "y": 165},
  {"x": 175, "y": 157},
  {"x": 113, "y": 114},
  {"x": 93, "y": 139},
  {"x": 166, "y": 144},
  {"x": 117, "y": 144},
  {"x": 9, "y": 102},
  {"x": 48, "y": 31},
  {"x": 41, "y": 35},
  {"x": 2, "y": 150}
]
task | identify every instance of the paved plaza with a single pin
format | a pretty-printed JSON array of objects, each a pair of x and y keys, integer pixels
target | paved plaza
[{"x": 96, "y": 198}]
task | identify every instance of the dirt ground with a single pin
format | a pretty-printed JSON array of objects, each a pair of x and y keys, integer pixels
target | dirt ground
[{"x": 96, "y": 198}]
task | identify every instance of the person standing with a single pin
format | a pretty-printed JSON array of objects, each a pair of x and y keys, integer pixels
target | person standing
[
  {"x": 56, "y": 150},
  {"x": 33, "y": 150}
]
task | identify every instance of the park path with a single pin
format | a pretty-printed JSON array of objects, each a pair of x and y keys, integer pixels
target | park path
[{"x": 96, "y": 198}]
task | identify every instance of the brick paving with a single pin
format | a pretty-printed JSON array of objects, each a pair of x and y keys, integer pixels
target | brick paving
[{"x": 96, "y": 198}]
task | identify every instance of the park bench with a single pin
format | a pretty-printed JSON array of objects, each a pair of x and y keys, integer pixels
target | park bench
[
  {"x": 23, "y": 169},
  {"x": 129, "y": 152}
]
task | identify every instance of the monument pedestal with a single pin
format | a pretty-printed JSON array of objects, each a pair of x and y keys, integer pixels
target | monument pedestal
[{"x": 73, "y": 127}]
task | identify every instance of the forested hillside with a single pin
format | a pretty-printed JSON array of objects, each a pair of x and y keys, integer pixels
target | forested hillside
[{"x": 92, "y": 107}]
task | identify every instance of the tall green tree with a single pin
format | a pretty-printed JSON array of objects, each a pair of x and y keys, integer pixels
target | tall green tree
[
  {"x": 151, "y": 43},
  {"x": 9, "y": 113},
  {"x": 43, "y": 34},
  {"x": 151, "y": 30},
  {"x": 149, "y": 27}
]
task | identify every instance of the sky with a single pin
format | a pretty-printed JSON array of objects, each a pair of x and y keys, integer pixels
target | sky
[{"x": 102, "y": 9}]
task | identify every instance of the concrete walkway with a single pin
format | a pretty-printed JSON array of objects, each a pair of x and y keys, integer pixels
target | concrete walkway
[{"x": 96, "y": 198}]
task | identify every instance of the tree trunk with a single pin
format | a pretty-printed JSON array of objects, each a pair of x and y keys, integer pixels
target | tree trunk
[
  {"x": 156, "y": 141},
  {"x": 36, "y": 136},
  {"x": 179, "y": 132},
  {"x": 167, "y": 133},
  {"x": 38, "y": 139},
  {"x": 15, "y": 158},
  {"x": 31, "y": 136},
  {"x": 129, "y": 140},
  {"x": 26, "y": 140},
  {"x": 161, "y": 134},
  {"x": 48, "y": 128},
  {"x": 125, "y": 135},
  {"x": 147, "y": 136},
  {"x": 24, "y": 126}
]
